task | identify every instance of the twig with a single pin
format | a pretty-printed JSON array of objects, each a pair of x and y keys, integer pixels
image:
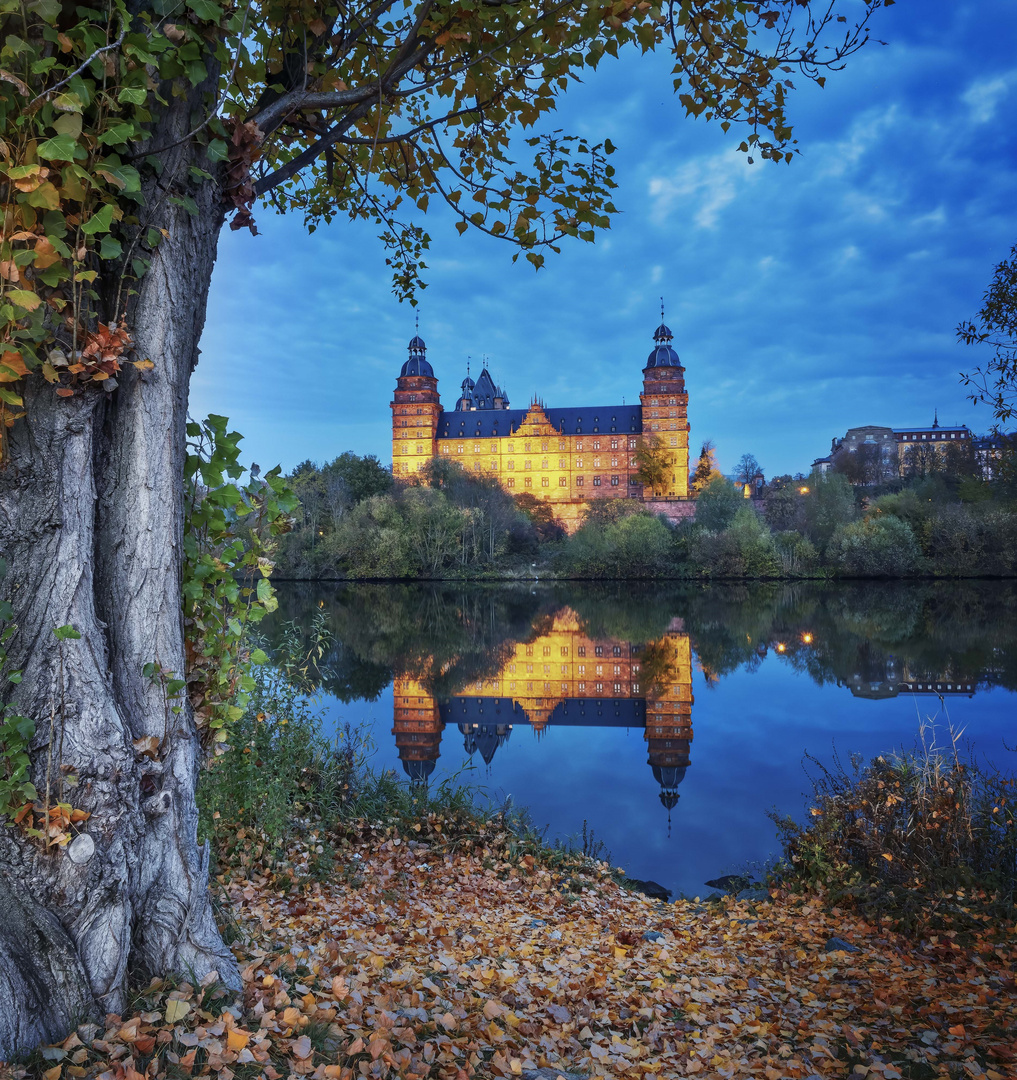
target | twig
[{"x": 63, "y": 82}]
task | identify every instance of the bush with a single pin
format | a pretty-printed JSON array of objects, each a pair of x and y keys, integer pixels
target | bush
[
  {"x": 632, "y": 546},
  {"x": 829, "y": 504},
  {"x": 796, "y": 555},
  {"x": 926, "y": 840},
  {"x": 875, "y": 547}
]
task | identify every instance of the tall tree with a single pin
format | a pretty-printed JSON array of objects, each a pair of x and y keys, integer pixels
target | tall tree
[
  {"x": 748, "y": 468},
  {"x": 128, "y": 136}
]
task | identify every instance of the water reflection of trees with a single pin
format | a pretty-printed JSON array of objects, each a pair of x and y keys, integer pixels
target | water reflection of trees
[{"x": 448, "y": 636}]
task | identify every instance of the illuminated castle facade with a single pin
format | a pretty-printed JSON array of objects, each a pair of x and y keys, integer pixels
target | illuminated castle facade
[
  {"x": 564, "y": 456},
  {"x": 563, "y": 678}
]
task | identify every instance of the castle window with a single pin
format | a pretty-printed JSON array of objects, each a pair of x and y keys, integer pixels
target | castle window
[
  {"x": 413, "y": 397},
  {"x": 596, "y": 462},
  {"x": 526, "y": 447},
  {"x": 582, "y": 669},
  {"x": 511, "y": 448},
  {"x": 672, "y": 413},
  {"x": 596, "y": 444},
  {"x": 633, "y": 480},
  {"x": 596, "y": 481},
  {"x": 494, "y": 464},
  {"x": 579, "y": 445},
  {"x": 544, "y": 482},
  {"x": 420, "y": 412},
  {"x": 511, "y": 465},
  {"x": 616, "y": 650},
  {"x": 564, "y": 650},
  {"x": 632, "y": 444},
  {"x": 529, "y": 667},
  {"x": 543, "y": 446},
  {"x": 528, "y": 482},
  {"x": 459, "y": 448},
  {"x": 600, "y": 669},
  {"x": 581, "y": 651},
  {"x": 674, "y": 440},
  {"x": 635, "y": 688},
  {"x": 617, "y": 687},
  {"x": 476, "y": 448},
  {"x": 563, "y": 463},
  {"x": 562, "y": 444},
  {"x": 526, "y": 464},
  {"x": 598, "y": 650},
  {"x": 543, "y": 463},
  {"x": 420, "y": 449},
  {"x": 614, "y": 481},
  {"x": 671, "y": 401},
  {"x": 600, "y": 686},
  {"x": 614, "y": 444},
  {"x": 547, "y": 671},
  {"x": 614, "y": 461},
  {"x": 511, "y": 482},
  {"x": 579, "y": 463},
  {"x": 579, "y": 481},
  {"x": 563, "y": 481},
  {"x": 582, "y": 686}
]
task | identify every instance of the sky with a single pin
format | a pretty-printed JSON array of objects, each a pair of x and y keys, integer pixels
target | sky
[{"x": 804, "y": 299}]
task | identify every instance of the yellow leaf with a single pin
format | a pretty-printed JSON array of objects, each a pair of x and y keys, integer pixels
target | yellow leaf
[
  {"x": 176, "y": 1010},
  {"x": 237, "y": 1039},
  {"x": 887, "y": 856},
  {"x": 53, "y": 1074}
]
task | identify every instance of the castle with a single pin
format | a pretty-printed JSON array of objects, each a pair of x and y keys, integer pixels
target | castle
[{"x": 564, "y": 456}]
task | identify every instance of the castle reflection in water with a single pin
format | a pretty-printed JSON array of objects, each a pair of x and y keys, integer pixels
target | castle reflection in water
[{"x": 563, "y": 678}]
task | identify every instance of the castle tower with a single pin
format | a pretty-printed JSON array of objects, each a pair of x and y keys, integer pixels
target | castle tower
[
  {"x": 417, "y": 727},
  {"x": 415, "y": 411},
  {"x": 669, "y": 718},
  {"x": 665, "y": 412}
]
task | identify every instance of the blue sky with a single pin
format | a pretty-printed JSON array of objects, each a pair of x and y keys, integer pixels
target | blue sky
[{"x": 804, "y": 298}]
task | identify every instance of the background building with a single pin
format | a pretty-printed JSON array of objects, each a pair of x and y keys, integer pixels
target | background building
[{"x": 565, "y": 456}]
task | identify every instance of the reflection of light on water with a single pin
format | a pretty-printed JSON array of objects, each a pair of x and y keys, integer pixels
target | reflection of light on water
[
  {"x": 781, "y": 647},
  {"x": 807, "y": 638}
]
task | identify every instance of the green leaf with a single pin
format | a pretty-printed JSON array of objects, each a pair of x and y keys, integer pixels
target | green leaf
[
  {"x": 205, "y": 9},
  {"x": 66, "y": 633},
  {"x": 217, "y": 150},
  {"x": 259, "y": 656},
  {"x": 133, "y": 95},
  {"x": 59, "y": 148},
  {"x": 99, "y": 221},
  {"x": 110, "y": 248}
]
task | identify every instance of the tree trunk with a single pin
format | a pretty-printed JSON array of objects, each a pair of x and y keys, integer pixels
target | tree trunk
[{"x": 91, "y": 525}]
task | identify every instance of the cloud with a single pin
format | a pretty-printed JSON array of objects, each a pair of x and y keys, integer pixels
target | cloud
[
  {"x": 709, "y": 184},
  {"x": 983, "y": 96}
]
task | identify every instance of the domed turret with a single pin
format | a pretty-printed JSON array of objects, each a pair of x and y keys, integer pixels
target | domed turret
[
  {"x": 662, "y": 355},
  {"x": 417, "y": 363}
]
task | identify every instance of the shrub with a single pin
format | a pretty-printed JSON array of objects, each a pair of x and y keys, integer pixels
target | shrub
[
  {"x": 796, "y": 555},
  {"x": 875, "y": 547},
  {"x": 925, "y": 839},
  {"x": 635, "y": 545}
]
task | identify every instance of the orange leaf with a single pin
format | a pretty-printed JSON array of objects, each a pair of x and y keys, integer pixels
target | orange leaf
[
  {"x": 15, "y": 366},
  {"x": 63, "y": 391}
]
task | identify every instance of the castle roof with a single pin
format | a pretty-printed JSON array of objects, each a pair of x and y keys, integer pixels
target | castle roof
[
  {"x": 417, "y": 363},
  {"x": 662, "y": 355},
  {"x": 589, "y": 420}
]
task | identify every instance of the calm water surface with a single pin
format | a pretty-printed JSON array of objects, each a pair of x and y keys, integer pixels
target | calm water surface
[{"x": 669, "y": 720}]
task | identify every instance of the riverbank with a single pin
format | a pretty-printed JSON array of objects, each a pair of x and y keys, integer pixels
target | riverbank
[{"x": 459, "y": 959}]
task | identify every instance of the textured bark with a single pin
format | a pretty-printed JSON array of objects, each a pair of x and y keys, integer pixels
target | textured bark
[{"x": 91, "y": 524}]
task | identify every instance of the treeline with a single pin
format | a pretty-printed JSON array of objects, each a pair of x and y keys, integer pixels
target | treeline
[
  {"x": 803, "y": 528},
  {"x": 355, "y": 523}
]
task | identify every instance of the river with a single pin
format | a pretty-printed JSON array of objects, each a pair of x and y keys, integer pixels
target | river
[{"x": 666, "y": 721}]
